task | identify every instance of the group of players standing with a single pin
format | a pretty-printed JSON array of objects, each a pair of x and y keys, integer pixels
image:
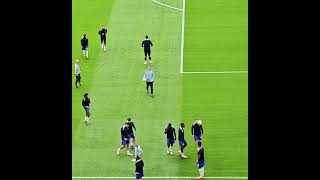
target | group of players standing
[
  {"x": 127, "y": 136},
  {"x": 128, "y": 142}
]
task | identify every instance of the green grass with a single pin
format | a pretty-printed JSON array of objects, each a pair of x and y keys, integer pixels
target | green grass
[{"x": 215, "y": 40}]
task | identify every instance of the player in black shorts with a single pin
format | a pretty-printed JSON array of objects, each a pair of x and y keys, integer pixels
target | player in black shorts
[
  {"x": 103, "y": 34},
  {"x": 147, "y": 49}
]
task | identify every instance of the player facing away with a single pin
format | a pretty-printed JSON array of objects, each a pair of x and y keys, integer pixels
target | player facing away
[
  {"x": 130, "y": 131},
  {"x": 138, "y": 152},
  {"x": 85, "y": 104},
  {"x": 124, "y": 139},
  {"x": 200, "y": 162},
  {"x": 197, "y": 130},
  {"x": 146, "y": 44},
  {"x": 139, "y": 168},
  {"x": 171, "y": 137},
  {"x": 84, "y": 45},
  {"x": 103, "y": 39},
  {"x": 182, "y": 141}
]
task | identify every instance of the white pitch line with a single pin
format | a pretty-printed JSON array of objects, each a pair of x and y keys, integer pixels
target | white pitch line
[
  {"x": 167, "y": 5},
  {"x": 182, "y": 34},
  {"x": 216, "y": 72},
  {"x": 165, "y": 177}
]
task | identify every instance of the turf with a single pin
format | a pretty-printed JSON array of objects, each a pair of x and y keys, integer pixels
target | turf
[{"x": 215, "y": 40}]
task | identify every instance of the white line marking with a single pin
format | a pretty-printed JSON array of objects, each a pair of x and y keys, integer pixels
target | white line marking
[
  {"x": 167, "y": 5},
  {"x": 227, "y": 177},
  {"x": 182, "y": 34},
  {"x": 216, "y": 72}
]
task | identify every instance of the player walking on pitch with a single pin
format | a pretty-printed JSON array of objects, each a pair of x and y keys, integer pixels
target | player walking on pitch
[
  {"x": 182, "y": 141},
  {"x": 139, "y": 168},
  {"x": 147, "y": 44},
  {"x": 197, "y": 130},
  {"x": 77, "y": 72},
  {"x": 85, "y": 104},
  {"x": 149, "y": 78},
  {"x": 200, "y": 162},
  {"x": 171, "y": 137},
  {"x": 84, "y": 45},
  {"x": 103, "y": 34}
]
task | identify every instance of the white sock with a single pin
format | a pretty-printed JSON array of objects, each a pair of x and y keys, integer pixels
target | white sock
[
  {"x": 84, "y": 53},
  {"x": 105, "y": 48},
  {"x": 170, "y": 148},
  {"x": 201, "y": 172},
  {"x": 87, "y": 54},
  {"x": 102, "y": 45},
  {"x": 86, "y": 118}
]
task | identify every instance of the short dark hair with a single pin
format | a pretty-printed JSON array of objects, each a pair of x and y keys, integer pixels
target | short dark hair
[
  {"x": 84, "y": 35},
  {"x": 199, "y": 143},
  {"x": 129, "y": 119},
  {"x": 181, "y": 124},
  {"x": 85, "y": 95},
  {"x": 146, "y": 36},
  {"x": 169, "y": 125}
]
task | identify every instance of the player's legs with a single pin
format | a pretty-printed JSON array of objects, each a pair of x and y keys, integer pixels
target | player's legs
[
  {"x": 148, "y": 84},
  {"x": 77, "y": 80},
  {"x": 151, "y": 85},
  {"x": 87, "y": 53},
  {"x": 149, "y": 54},
  {"x": 101, "y": 40},
  {"x": 145, "y": 56}
]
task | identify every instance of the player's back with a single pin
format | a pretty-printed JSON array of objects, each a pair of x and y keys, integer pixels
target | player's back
[
  {"x": 84, "y": 41},
  {"x": 147, "y": 44}
]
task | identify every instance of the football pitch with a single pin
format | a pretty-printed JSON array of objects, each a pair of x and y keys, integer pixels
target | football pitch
[{"x": 200, "y": 61}]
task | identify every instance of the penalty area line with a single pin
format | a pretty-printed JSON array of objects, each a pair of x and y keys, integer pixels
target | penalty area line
[{"x": 167, "y": 5}]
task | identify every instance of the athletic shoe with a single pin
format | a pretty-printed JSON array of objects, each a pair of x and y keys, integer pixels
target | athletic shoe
[
  {"x": 184, "y": 156},
  {"x": 129, "y": 154},
  {"x": 168, "y": 151},
  {"x": 145, "y": 62},
  {"x": 171, "y": 153},
  {"x": 133, "y": 160},
  {"x": 118, "y": 151},
  {"x": 199, "y": 177}
]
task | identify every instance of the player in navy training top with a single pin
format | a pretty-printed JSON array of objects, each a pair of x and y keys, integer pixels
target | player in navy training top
[
  {"x": 200, "y": 161},
  {"x": 84, "y": 45},
  {"x": 103, "y": 38},
  {"x": 171, "y": 137},
  {"x": 85, "y": 104},
  {"x": 139, "y": 168},
  {"x": 131, "y": 134},
  {"x": 124, "y": 139},
  {"x": 197, "y": 130},
  {"x": 182, "y": 140},
  {"x": 147, "y": 44}
]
